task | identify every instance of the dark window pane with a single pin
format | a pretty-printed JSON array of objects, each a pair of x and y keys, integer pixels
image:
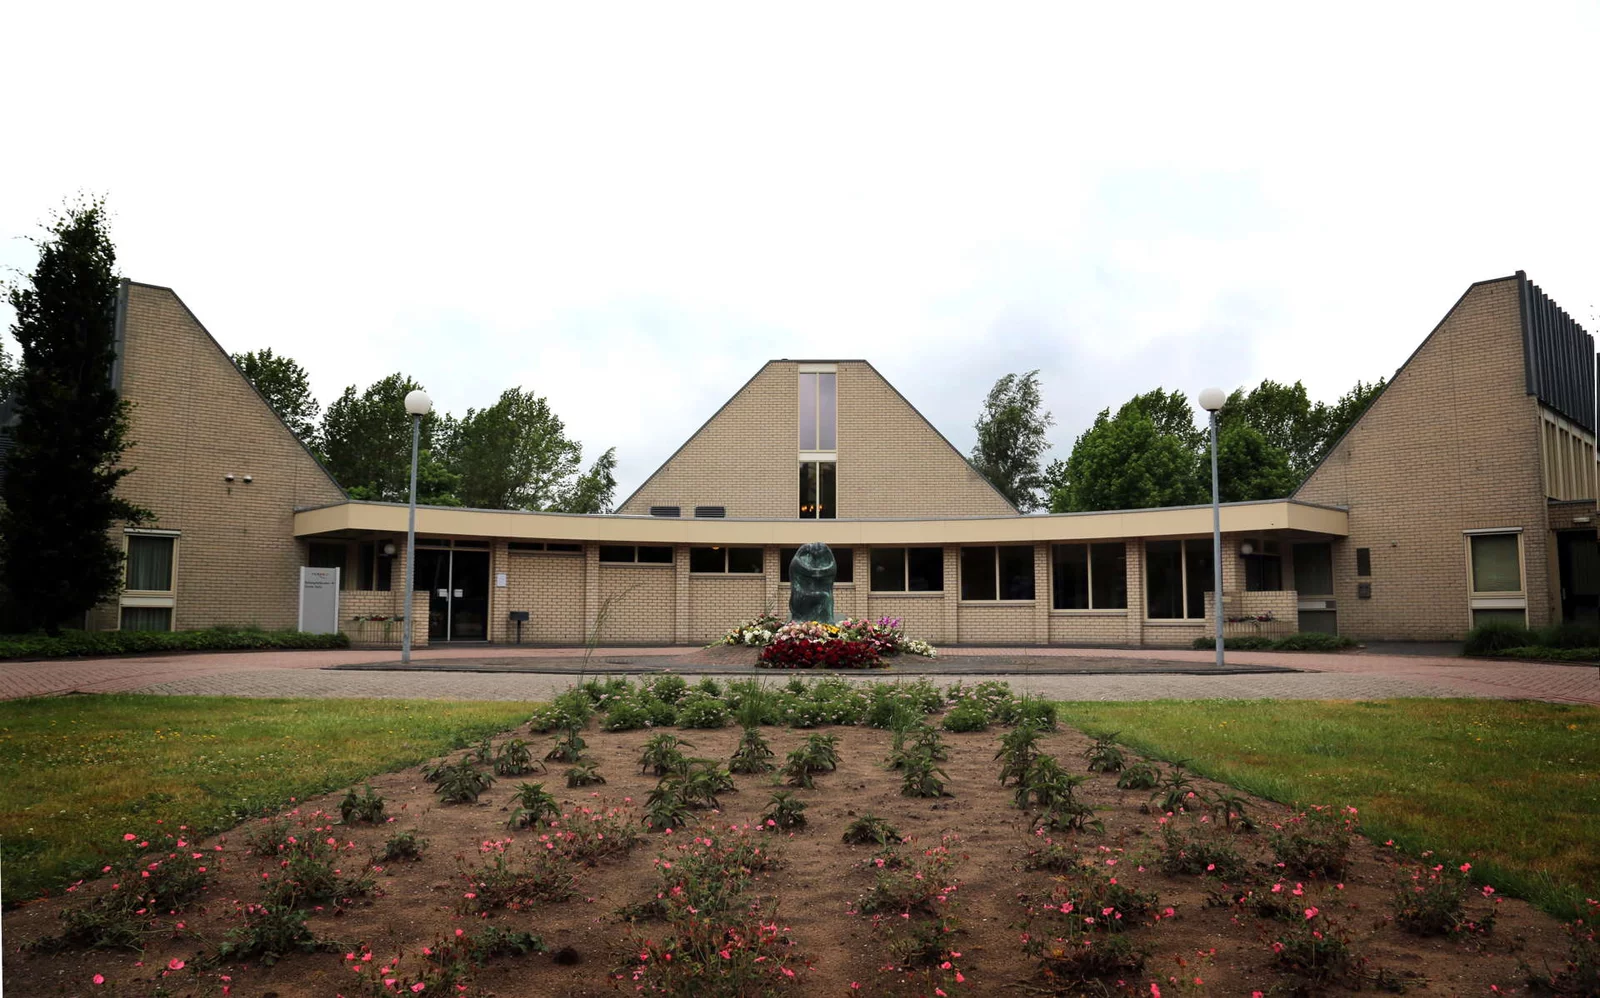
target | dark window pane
[
  {"x": 1110, "y": 576},
  {"x": 320, "y": 556},
  {"x": 1516, "y": 618},
  {"x": 1313, "y": 569},
  {"x": 889, "y": 570},
  {"x": 571, "y": 548},
  {"x": 471, "y": 544},
  {"x": 366, "y": 554},
  {"x": 1495, "y": 565},
  {"x": 615, "y": 552},
  {"x": 1202, "y": 578},
  {"x": 827, "y": 410},
  {"x": 1163, "y": 561},
  {"x": 747, "y": 561},
  {"x": 845, "y": 559},
  {"x": 149, "y": 618},
  {"x": 656, "y": 555},
  {"x": 785, "y": 556},
  {"x": 524, "y": 546},
  {"x": 1262, "y": 573},
  {"x": 808, "y": 490},
  {"x": 1363, "y": 561},
  {"x": 808, "y": 412},
  {"x": 925, "y": 570},
  {"x": 829, "y": 485},
  {"x": 707, "y": 560},
  {"x": 1069, "y": 576},
  {"x": 385, "y": 580},
  {"x": 1016, "y": 572},
  {"x": 150, "y": 563},
  {"x": 977, "y": 573}
]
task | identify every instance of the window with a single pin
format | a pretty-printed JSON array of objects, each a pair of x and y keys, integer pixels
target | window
[
  {"x": 818, "y": 489},
  {"x": 1089, "y": 576},
  {"x": 150, "y": 564},
  {"x": 819, "y": 407},
  {"x": 515, "y": 546},
  {"x": 1263, "y": 573},
  {"x": 1494, "y": 559},
  {"x": 1313, "y": 569},
  {"x": 627, "y": 554},
  {"x": 146, "y": 618},
  {"x": 1179, "y": 574},
  {"x": 1363, "y": 562},
  {"x": 726, "y": 561},
  {"x": 997, "y": 573},
  {"x": 899, "y": 570},
  {"x": 844, "y": 560}
]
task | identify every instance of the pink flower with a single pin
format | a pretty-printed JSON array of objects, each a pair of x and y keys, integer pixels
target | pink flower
[
  {"x": 1311, "y": 913},
  {"x": 175, "y": 964},
  {"x": 99, "y": 978},
  {"x": 129, "y": 837},
  {"x": 1155, "y": 992},
  {"x": 1465, "y": 867},
  {"x": 417, "y": 987}
]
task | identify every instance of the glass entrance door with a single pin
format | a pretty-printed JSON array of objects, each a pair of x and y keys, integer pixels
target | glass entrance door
[
  {"x": 469, "y": 596},
  {"x": 433, "y": 575}
]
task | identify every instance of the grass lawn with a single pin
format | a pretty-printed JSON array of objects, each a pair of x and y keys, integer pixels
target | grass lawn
[
  {"x": 1511, "y": 786},
  {"x": 80, "y": 771}
]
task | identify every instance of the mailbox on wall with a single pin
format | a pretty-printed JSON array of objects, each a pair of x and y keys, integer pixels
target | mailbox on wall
[{"x": 517, "y": 617}]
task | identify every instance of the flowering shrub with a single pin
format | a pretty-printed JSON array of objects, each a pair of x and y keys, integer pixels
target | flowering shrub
[
  {"x": 1433, "y": 903},
  {"x": 799, "y": 652},
  {"x": 756, "y": 633},
  {"x": 1317, "y": 842}
]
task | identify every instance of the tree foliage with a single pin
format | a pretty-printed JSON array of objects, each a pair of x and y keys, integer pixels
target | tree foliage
[
  {"x": 595, "y": 490},
  {"x": 10, "y": 373},
  {"x": 1154, "y": 452},
  {"x": 1011, "y": 440},
  {"x": 57, "y": 555},
  {"x": 514, "y": 455},
  {"x": 286, "y": 387},
  {"x": 366, "y": 438}
]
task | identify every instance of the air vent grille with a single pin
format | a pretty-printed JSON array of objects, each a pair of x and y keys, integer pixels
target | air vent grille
[
  {"x": 712, "y": 512},
  {"x": 666, "y": 510}
]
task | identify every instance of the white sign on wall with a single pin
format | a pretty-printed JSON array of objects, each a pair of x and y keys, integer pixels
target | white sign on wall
[{"x": 319, "y": 600}]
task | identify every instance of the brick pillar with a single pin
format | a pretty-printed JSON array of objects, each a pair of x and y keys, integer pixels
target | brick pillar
[
  {"x": 771, "y": 571},
  {"x": 952, "y": 594},
  {"x": 1135, "y": 631},
  {"x": 591, "y": 587},
  {"x": 680, "y": 593},
  {"x": 1041, "y": 593}
]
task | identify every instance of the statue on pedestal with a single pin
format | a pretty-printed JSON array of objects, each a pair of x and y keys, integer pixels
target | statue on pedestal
[{"x": 811, "y": 576}]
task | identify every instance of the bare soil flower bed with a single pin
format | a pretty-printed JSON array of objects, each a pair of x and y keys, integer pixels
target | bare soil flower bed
[{"x": 969, "y": 894}]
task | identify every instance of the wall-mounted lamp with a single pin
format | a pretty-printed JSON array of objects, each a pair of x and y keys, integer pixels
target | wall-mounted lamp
[
  {"x": 248, "y": 479},
  {"x": 1247, "y": 548},
  {"x": 388, "y": 549},
  {"x": 228, "y": 477}
]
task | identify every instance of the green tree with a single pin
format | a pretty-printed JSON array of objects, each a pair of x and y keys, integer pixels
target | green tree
[
  {"x": 57, "y": 558},
  {"x": 1011, "y": 440},
  {"x": 1343, "y": 414},
  {"x": 366, "y": 438},
  {"x": 594, "y": 490},
  {"x": 1127, "y": 461},
  {"x": 1249, "y": 467},
  {"x": 1285, "y": 418},
  {"x": 286, "y": 387},
  {"x": 513, "y": 455},
  {"x": 10, "y": 373}
]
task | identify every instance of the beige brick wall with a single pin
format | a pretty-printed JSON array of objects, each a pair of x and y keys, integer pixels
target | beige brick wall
[
  {"x": 1089, "y": 627},
  {"x": 923, "y": 615},
  {"x": 891, "y": 461},
  {"x": 644, "y": 607},
  {"x": 195, "y": 419},
  {"x": 716, "y": 603},
  {"x": 368, "y": 602},
  {"x": 549, "y": 586},
  {"x": 1452, "y": 444},
  {"x": 994, "y": 623}
]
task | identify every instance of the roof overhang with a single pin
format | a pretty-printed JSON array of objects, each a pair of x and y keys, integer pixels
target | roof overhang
[{"x": 363, "y": 518}]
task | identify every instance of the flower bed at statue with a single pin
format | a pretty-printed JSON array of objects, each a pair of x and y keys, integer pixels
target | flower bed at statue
[{"x": 849, "y": 644}]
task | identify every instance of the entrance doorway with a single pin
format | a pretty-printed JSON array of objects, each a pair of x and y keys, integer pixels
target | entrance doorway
[
  {"x": 458, "y": 593},
  {"x": 1578, "y": 555}
]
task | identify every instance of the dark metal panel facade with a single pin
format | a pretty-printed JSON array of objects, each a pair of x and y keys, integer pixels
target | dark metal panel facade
[{"x": 1556, "y": 354}]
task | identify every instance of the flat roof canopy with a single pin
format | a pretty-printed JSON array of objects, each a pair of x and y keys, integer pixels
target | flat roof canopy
[{"x": 1280, "y": 515}]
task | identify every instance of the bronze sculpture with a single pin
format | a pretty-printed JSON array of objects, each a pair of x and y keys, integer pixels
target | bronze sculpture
[{"x": 811, "y": 575}]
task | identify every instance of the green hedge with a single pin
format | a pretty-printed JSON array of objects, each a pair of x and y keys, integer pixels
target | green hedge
[
  {"x": 1498, "y": 638},
  {"x": 97, "y": 643},
  {"x": 1552, "y": 654},
  {"x": 1303, "y": 641}
]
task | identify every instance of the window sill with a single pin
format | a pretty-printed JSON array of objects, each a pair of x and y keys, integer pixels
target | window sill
[
  {"x": 148, "y": 599},
  {"x": 998, "y": 602},
  {"x": 912, "y": 594},
  {"x": 1176, "y": 622},
  {"x": 1089, "y": 613},
  {"x": 637, "y": 564},
  {"x": 727, "y": 575}
]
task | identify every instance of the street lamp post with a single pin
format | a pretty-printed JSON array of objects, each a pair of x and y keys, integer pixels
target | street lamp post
[
  {"x": 1211, "y": 400},
  {"x": 418, "y": 404}
]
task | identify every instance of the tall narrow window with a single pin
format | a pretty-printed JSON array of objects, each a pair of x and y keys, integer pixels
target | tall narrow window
[
  {"x": 149, "y": 564},
  {"x": 997, "y": 573},
  {"x": 819, "y": 410},
  {"x": 1495, "y": 561},
  {"x": 1178, "y": 575},
  {"x": 819, "y": 489},
  {"x": 1089, "y": 576},
  {"x": 149, "y": 588}
]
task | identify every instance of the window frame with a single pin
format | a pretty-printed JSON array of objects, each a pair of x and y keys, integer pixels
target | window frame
[
  {"x": 1089, "y": 547},
  {"x": 151, "y": 598},
  {"x": 815, "y": 371},
  {"x": 1478, "y": 599},
  {"x": 727, "y": 557},
  {"x": 818, "y": 510},
  {"x": 994, "y": 563},
  {"x": 905, "y": 568},
  {"x": 634, "y": 549}
]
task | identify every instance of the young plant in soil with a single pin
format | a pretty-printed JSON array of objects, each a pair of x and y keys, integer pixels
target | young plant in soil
[
  {"x": 461, "y": 784},
  {"x": 1232, "y": 809},
  {"x": 368, "y": 807},
  {"x": 1433, "y": 903},
  {"x": 311, "y": 874},
  {"x": 697, "y": 782},
  {"x": 1139, "y": 776},
  {"x": 1315, "y": 843},
  {"x": 819, "y": 754},
  {"x": 784, "y": 810},
  {"x": 1052, "y": 790},
  {"x": 516, "y": 759},
  {"x": 534, "y": 805},
  {"x": 1104, "y": 756},
  {"x": 1199, "y": 854},
  {"x": 270, "y": 934},
  {"x": 569, "y": 747},
  {"x": 1019, "y": 747},
  {"x": 1176, "y": 792},
  {"x": 403, "y": 846},
  {"x": 666, "y": 808},
  {"x": 912, "y": 908},
  {"x": 661, "y": 753},
  {"x": 268, "y": 837},
  {"x": 968, "y": 715},
  {"x": 922, "y": 777},
  {"x": 584, "y": 774},
  {"x": 753, "y": 756},
  {"x": 125, "y": 918},
  {"x": 871, "y": 830},
  {"x": 546, "y": 876}
]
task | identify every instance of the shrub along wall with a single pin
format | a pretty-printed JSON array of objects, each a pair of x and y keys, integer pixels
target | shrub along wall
[{"x": 95, "y": 643}]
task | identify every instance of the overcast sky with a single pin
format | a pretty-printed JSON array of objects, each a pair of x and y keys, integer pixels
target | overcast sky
[{"x": 629, "y": 208}]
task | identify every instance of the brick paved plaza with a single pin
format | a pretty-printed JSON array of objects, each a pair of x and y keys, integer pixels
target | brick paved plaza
[{"x": 1054, "y": 672}]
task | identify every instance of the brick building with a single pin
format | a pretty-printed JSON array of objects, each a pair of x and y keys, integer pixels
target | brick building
[{"x": 1466, "y": 492}]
